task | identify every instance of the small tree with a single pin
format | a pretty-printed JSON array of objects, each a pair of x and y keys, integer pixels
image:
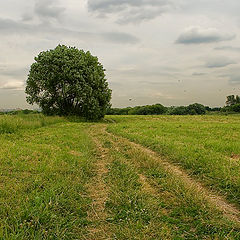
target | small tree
[
  {"x": 237, "y": 99},
  {"x": 181, "y": 110},
  {"x": 231, "y": 100},
  {"x": 155, "y": 109},
  {"x": 196, "y": 108},
  {"x": 68, "y": 81},
  {"x": 235, "y": 108}
]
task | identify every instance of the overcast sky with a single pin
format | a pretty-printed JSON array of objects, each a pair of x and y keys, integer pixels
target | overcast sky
[{"x": 173, "y": 52}]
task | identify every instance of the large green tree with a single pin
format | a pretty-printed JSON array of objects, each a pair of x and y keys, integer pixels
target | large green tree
[{"x": 68, "y": 81}]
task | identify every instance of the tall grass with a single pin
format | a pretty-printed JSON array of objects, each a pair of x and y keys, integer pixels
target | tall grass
[
  {"x": 43, "y": 182},
  {"x": 12, "y": 124}
]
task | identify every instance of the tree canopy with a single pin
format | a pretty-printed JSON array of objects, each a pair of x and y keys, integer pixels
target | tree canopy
[
  {"x": 231, "y": 100},
  {"x": 68, "y": 81}
]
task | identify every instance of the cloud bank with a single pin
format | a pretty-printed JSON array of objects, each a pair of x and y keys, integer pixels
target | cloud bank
[
  {"x": 197, "y": 35},
  {"x": 48, "y": 9},
  {"x": 8, "y": 26},
  {"x": 133, "y": 11},
  {"x": 12, "y": 85},
  {"x": 228, "y": 48},
  {"x": 219, "y": 62}
]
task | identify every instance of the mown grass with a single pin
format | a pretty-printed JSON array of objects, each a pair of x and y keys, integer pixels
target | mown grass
[
  {"x": 43, "y": 179},
  {"x": 165, "y": 209},
  {"x": 207, "y": 146}
]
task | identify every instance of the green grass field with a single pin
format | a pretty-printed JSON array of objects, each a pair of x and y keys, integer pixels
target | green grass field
[
  {"x": 127, "y": 177},
  {"x": 208, "y": 147}
]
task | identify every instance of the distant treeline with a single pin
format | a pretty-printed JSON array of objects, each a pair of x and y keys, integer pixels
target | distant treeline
[
  {"x": 16, "y": 112},
  {"x": 158, "y": 109},
  {"x": 232, "y": 106}
]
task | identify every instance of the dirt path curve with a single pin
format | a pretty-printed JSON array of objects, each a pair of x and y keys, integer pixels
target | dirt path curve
[
  {"x": 229, "y": 210},
  {"x": 98, "y": 192}
]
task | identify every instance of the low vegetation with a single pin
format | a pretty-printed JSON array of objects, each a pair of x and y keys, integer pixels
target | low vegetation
[
  {"x": 12, "y": 124},
  {"x": 44, "y": 172},
  {"x": 118, "y": 179}
]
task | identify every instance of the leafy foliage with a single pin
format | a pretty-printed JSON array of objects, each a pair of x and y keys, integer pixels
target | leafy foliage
[
  {"x": 68, "y": 81},
  {"x": 232, "y": 105},
  {"x": 196, "y": 108},
  {"x": 235, "y": 108},
  {"x": 182, "y": 110},
  {"x": 118, "y": 111},
  {"x": 231, "y": 100},
  {"x": 156, "y": 109},
  {"x": 192, "y": 109}
]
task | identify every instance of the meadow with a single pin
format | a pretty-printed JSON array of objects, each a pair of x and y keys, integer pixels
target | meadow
[
  {"x": 126, "y": 177},
  {"x": 208, "y": 147}
]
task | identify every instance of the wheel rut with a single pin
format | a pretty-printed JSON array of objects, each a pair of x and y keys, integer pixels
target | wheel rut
[
  {"x": 98, "y": 192},
  {"x": 228, "y": 210}
]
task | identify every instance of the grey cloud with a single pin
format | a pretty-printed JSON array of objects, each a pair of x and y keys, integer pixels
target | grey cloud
[
  {"x": 8, "y": 26},
  {"x": 120, "y": 37},
  {"x": 48, "y": 9},
  {"x": 129, "y": 11},
  {"x": 234, "y": 79},
  {"x": 219, "y": 62},
  {"x": 198, "y": 74},
  {"x": 153, "y": 72},
  {"x": 27, "y": 17},
  {"x": 135, "y": 16},
  {"x": 228, "y": 48},
  {"x": 157, "y": 83},
  {"x": 11, "y": 77},
  {"x": 14, "y": 72},
  {"x": 12, "y": 85},
  {"x": 3, "y": 66},
  {"x": 197, "y": 35},
  {"x": 108, "y": 6},
  {"x": 117, "y": 84},
  {"x": 233, "y": 76}
]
